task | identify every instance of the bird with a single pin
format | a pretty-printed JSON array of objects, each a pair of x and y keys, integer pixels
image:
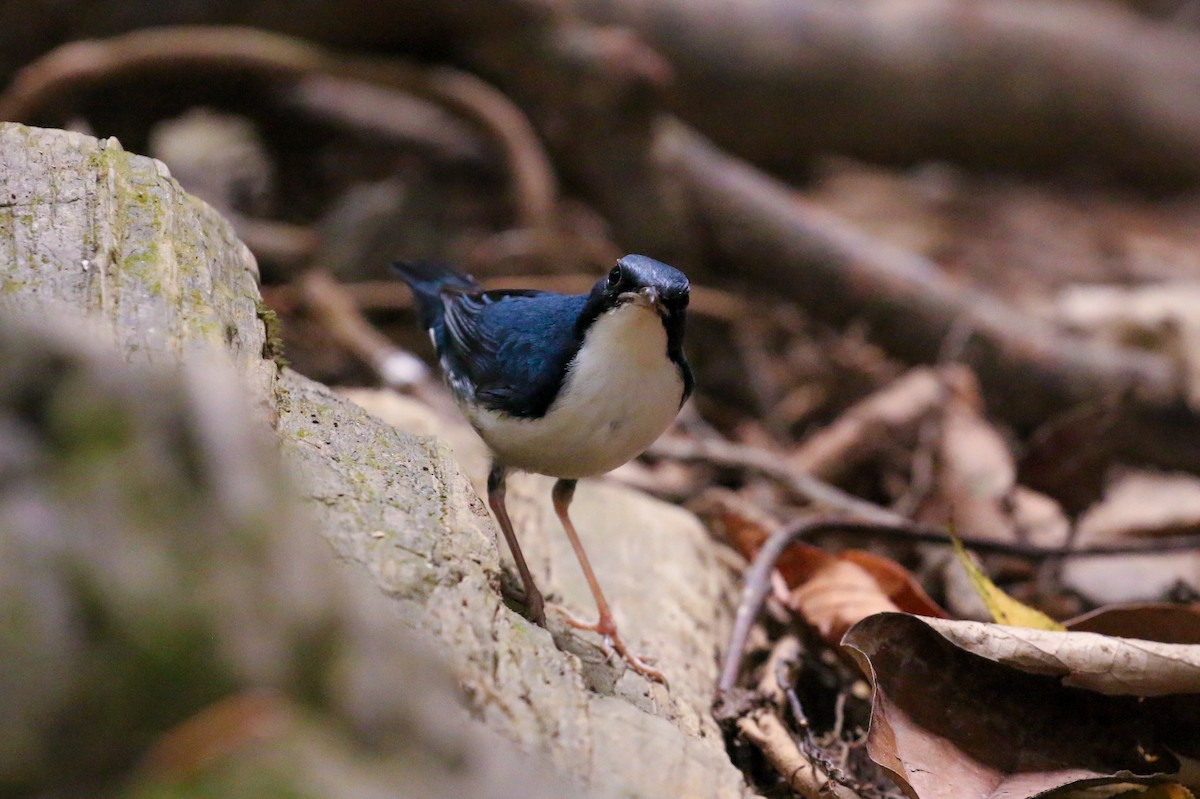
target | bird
[{"x": 565, "y": 385}]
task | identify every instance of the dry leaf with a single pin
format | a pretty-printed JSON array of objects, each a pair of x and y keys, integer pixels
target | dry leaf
[
  {"x": 832, "y": 591},
  {"x": 897, "y": 582},
  {"x": 1170, "y": 624},
  {"x": 1068, "y": 456},
  {"x": 950, "y": 723},
  {"x": 734, "y": 518},
  {"x": 837, "y": 597},
  {"x": 888, "y": 419},
  {"x": 975, "y": 484},
  {"x": 1004, "y": 609},
  {"x": 1143, "y": 504},
  {"x": 975, "y": 475},
  {"x": 837, "y": 591},
  {"x": 1101, "y": 663},
  {"x": 747, "y": 527}
]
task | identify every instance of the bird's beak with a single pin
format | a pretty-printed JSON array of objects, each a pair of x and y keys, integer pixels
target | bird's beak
[{"x": 646, "y": 296}]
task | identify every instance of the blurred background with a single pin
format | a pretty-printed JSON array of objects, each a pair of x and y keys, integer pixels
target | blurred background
[{"x": 855, "y": 189}]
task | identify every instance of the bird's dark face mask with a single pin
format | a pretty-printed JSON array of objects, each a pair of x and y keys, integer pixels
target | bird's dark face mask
[{"x": 644, "y": 282}]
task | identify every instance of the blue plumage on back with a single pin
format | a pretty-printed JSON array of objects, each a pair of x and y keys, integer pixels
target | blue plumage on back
[{"x": 506, "y": 351}]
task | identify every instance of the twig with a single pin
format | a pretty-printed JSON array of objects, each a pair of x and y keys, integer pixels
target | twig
[
  {"x": 787, "y": 651},
  {"x": 764, "y": 729},
  {"x": 806, "y": 765},
  {"x": 595, "y": 93},
  {"x": 337, "y": 313},
  {"x": 872, "y": 521},
  {"x": 755, "y": 587},
  {"x": 533, "y": 184},
  {"x": 85, "y": 63},
  {"x": 365, "y": 107},
  {"x": 757, "y": 582},
  {"x": 759, "y": 461}
]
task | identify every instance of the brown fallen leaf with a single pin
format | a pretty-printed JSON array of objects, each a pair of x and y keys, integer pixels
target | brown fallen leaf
[
  {"x": 834, "y": 592},
  {"x": 1100, "y": 663},
  {"x": 745, "y": 526},
  {"x": 897, "y": 582},
  {"x": 975, "y": 483},
  {"x": 1170, "y": 624},
  {"x": 950, "y": 723},
  {"x": 837, "y": 597}
]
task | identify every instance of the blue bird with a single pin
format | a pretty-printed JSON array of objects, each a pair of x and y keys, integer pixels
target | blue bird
[{"x": 567, "y": 385}]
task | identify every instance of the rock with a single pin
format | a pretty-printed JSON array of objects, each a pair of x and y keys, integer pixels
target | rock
[
  {"x": 97, "y": 230},
  {"x": 432, "y": 546},
  {"x": 154, "y": 560},
  {"x": 88, "y": 227}
]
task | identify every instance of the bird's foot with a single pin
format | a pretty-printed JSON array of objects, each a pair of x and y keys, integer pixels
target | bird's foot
[
  {"x": 606, "y": 627},
  {"x": 533, "y": 605}
]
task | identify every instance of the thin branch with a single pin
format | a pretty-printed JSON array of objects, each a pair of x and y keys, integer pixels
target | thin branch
[
  {"x": 764, "y": 729},
  {"x": 757, "y": 581},
  {"x": 533, "y": 183},
  {"x": 336, "y": 311}
]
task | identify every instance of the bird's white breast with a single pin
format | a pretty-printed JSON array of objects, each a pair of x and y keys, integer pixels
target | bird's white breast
[{"x": 620, "y": 393}]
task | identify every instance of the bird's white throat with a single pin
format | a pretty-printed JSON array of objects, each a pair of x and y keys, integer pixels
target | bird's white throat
[{"x": 620, "y": 393}]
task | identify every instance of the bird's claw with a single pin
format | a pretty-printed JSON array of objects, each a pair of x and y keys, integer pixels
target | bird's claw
[{"x": 611, "y": 643}]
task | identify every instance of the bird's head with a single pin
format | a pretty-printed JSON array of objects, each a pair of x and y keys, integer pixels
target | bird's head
[{"x": 644, "y": 282}]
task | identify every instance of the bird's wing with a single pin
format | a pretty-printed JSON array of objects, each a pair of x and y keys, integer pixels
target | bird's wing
[{"x": 508, "y": 350}]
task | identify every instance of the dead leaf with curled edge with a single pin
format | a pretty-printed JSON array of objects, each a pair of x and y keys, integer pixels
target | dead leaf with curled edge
[
  {"x": 840, "y": 590},
  {"x": 831, "y": 591},
  {"x": 1100, "y": 663},
  {"x": 981, "y": 710},
  {"x": 837, "y": 597}
]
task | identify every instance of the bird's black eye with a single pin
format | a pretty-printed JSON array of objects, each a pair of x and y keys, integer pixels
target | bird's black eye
[{"x": 614, "y": 277}]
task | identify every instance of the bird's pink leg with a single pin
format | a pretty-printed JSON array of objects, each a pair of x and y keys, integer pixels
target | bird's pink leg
[{"x": 606, "y": 626}]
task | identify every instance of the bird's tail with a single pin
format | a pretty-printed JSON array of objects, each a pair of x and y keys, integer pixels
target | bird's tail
[{"x": 428, "y": 279}]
